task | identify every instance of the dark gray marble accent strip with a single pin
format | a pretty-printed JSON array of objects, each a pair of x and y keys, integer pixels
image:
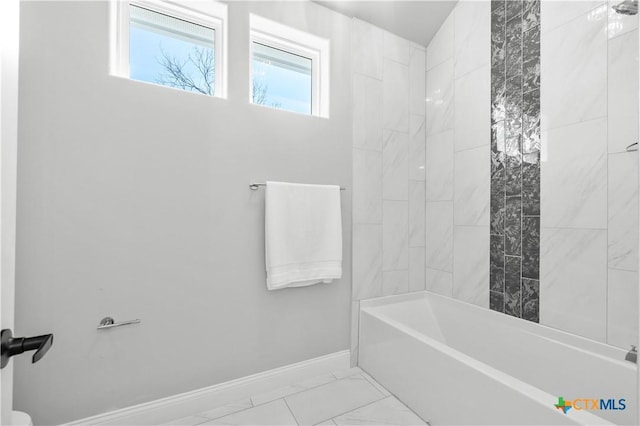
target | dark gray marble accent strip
[
  {"x": 512, "y": 286},
  {"x": 531, "y": 300},
  {"x": 515, "y": 158}
]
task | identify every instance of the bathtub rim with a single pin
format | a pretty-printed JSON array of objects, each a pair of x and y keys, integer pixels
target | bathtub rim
[{"x": 609, "y": 352}]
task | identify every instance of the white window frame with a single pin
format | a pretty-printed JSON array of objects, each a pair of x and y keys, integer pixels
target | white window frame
[
  {"x": 282, "y": 37},
  {"x": 210, "y": 14}
]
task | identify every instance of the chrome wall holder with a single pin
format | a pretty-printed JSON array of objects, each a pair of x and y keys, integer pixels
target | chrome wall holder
[{"x": 108, "y": 322}]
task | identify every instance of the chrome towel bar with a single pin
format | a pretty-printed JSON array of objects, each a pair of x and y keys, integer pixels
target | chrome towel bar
[
  {"x": 108, "y": 322},
  {"x": 255, "y": 185}
]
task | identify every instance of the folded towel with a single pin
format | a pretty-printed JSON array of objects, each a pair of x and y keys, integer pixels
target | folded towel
[{"x": 303, "y": 234}]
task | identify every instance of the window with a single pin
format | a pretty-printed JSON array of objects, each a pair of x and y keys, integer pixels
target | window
[
  {"x": 175, "y": 46},
  {"x": 287, "y": 74}
]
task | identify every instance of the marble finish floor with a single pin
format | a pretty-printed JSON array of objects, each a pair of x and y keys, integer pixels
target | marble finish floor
[{"x": 349, "y": 397}]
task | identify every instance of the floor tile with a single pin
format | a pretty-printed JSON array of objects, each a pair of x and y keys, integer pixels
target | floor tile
[
  {"x": 327, "y": 423},
  {"x": 388, "y": 411},
  {"x": 341, "y": 374},
  {"x": 376, "y": 384},
  {"x": 272, "y": 413},
  {"x": 188, "y": 421},
  {"x": 333, "y": 399},
  {"x": 227, "y": 409},
  {"x": 291, "y": 389}
]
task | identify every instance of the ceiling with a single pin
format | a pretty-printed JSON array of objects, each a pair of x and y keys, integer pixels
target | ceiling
[{"x": 414, "y": 20}]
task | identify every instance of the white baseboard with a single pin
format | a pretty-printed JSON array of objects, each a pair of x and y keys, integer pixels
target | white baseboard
[{"x": 193, "y": 402}]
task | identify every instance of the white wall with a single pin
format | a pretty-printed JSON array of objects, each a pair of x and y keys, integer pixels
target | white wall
[
  {"x": 388, "y": 166},
  {"x": 458, "y": 155},
  {"x": 589, "y": 185},
  {"x": 134, "y": 203}
]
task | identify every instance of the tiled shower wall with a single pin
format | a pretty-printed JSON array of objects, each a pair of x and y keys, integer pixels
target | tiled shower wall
[
  {"x": 457, "y": 152},
  {"x": 589, "y": 104},
  {"x": 589, "y": 191},
  {"x": 388, "y": 166}
]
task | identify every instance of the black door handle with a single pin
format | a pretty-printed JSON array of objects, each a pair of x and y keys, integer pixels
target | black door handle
[{"x": 11, "y": 346}]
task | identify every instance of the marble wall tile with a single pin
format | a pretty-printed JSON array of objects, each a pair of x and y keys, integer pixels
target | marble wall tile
[
  {"x": 440, "y": 47},
  {"x": 618, "y": 23},
  {"x": 396, "y": 48},
  {"x": 417, "y": 83},
  {"x": 395, "y": 165},
  {"x": 440, "y": 166},
  {"x": 513, "y": 226},
  {"x": 416, "y": 269},
  {"x": 574, "y": 70},
  {"x": 416, "y": 213},
  {"x": 439, "y": 235},
  {"x": 496, "y": 266},
  {"x": 497, "y": 207},
  {"x": 555, "y": 13},
  {"x": 395, "y": 235},
  {"x": 470, "y": 264},
  {"x": 496, "y": 301},
  {"x": 367, "y": 261},
  {"x": 573, "y": 281},
  {"x": 513, "y": 167},
  {"x": 440, "y": 282},
  {"x": 513, "y": 112},
  {"x": 440, "y": 98},
  {"x": 514, "y": 42},
  {"x": 531, "y": 247},
  {"x": 472, "y": 187},
  {"x": 472, "y": 105},
  {"x": 395, "y": 90},
  {"x": 622, "y": 312},
  {"x": 531, "y": 184},
  {"x": 531, "y": 122},
  {"x": 367, "y": 114},
  {"x": 531, "y": 300},
  {"x": 530, "y": 14},
  {"x": 367, "y": 186},
  {"x": 472, "y": 26},
  {"x": 514, "y": 9},
  {"x": 623, "y": 91},
  {"x": 417, "y": 145},
  {"x": 623, "y": 211},
  {"x": 512, "y": 286},
  {"x": 575, "y": 196},
  {"x": 395, "y": 282},
  {"x": 367, "y": 55}
]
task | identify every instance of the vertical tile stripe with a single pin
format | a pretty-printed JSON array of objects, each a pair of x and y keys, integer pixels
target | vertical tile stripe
[{"x": 515, "y": 158}]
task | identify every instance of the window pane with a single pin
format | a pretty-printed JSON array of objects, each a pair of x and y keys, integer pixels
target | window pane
[
  {"x": 170, "y": 51},
  {"x": 281, "y": 79}
]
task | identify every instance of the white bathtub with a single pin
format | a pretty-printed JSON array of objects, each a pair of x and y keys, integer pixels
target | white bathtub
[{"x": 456, "y": 363}]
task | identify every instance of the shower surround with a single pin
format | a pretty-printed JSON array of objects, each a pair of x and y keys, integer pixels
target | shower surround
[
  {"x": 515, "y": 158},
  {"x": 559, "y": 171}
]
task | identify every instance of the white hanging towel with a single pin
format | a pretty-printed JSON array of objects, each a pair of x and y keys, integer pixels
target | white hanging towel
[{"x": 303, "y": 234}]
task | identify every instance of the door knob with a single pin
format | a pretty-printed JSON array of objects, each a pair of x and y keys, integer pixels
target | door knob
[{"x": 11, "y": 346}]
